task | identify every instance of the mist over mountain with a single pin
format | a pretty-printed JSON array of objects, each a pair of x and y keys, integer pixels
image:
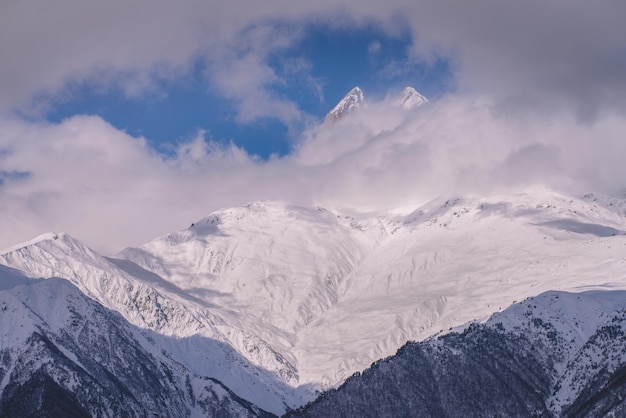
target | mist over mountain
[{"x": 380, "y": 158}]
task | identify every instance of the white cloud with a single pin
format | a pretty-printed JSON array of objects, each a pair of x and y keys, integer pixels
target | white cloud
[
  {"x": 530, "y": 53},
  {"x": 239, "y": 71},
  {"x": 374, "y": 48},
  {"x": 551, "y": 76},
  {"x": 110, "y": 189},
  {"x": 48, "y": 47}
]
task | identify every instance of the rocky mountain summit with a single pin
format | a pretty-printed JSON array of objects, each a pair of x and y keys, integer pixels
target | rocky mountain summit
[{"x": 408, "y": 98}]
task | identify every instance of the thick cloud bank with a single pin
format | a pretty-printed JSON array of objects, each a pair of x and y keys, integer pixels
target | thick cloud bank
[
  {"x": 85, "y": 177},
  {"x": 538, "y": 97}
]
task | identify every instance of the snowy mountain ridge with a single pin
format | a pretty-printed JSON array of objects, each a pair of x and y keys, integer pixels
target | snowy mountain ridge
[{"x": 276, "y": 301}]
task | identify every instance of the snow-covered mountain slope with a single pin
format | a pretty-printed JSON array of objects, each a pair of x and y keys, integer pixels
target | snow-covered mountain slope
[
  {"x": 333, "y": 293},
  {"x": 193, "y": 334},
  {"x": 410, "y": 98},
  {"x": 351, "y": 102},
  {"x": 64, "y": 354},
  {"x": 557, "y": 354},
  {"x": 584, "y": 336},
  {"x": 295, "y": 299},
  {"x": 459, "y": 260}
]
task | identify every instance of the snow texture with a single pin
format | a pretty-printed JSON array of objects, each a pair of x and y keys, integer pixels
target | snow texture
[
  {"x": 63, "y": 354},
  {"x": 277, "y": 302}
]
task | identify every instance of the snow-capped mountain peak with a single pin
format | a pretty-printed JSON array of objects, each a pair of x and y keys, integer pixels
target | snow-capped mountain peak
[
  {"x": 410, "y": 98},
  {"x": 352, "y": 101}
]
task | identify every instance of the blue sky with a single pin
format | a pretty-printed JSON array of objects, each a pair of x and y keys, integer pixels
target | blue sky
[{"x": 336, "y": 60}]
